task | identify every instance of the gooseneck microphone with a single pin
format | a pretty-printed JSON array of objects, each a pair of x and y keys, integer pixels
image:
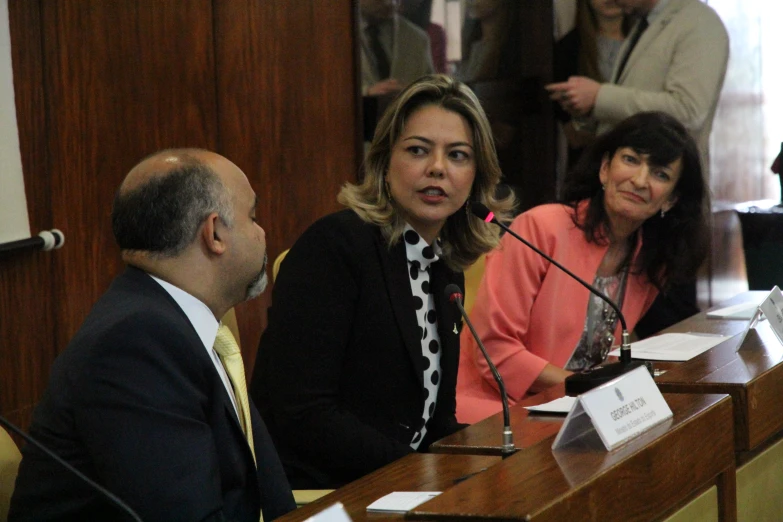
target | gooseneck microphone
[
  {"x": 454, "y": 294},
  {"x": 586, "y": 380},
  {"x": 103, "y": 491}
]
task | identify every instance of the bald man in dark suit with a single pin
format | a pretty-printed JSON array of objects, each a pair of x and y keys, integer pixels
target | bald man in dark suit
[{"x": 140, "y": 401}]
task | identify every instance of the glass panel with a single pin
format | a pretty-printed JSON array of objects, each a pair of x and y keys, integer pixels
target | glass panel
[{"x": 484, "y": 43}]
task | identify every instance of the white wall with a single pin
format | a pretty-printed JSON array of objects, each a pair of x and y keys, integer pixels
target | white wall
[{"x": 13, "y": 205}]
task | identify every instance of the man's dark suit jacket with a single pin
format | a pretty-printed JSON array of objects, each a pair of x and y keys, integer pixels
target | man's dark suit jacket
[
  {"x": 339, "y": 371},
  {"x": 136, "y": 404}
]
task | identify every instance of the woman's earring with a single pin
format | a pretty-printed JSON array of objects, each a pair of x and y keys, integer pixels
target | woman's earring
[
  {"x": 663, "y": 213},
  {"x": 603, "y": 186}
]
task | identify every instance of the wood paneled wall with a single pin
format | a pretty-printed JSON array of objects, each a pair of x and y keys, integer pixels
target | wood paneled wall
[
  {"x": 270, "y": 84},
  {"x": 287, "y": 115}
]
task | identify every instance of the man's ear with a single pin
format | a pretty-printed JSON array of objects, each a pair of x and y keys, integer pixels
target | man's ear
[{"x": 212, "y": 234}]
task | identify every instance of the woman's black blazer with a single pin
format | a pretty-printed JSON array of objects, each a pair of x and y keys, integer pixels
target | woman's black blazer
[{"x": 338, "y": 377}]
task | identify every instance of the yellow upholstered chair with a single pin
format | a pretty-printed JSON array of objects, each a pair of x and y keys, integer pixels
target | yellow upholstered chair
[
  {"x": 276, "y": 264},
  {"x": 473, "y": 275},
  {"x": 302, "y": 497},
  {"x": 9, "y": 466}
]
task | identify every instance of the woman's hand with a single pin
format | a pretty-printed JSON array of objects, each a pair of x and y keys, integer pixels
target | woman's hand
[{"x": 548, "y": 377}]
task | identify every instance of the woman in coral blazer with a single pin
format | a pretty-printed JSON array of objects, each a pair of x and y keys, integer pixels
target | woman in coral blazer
[{"x": 632, "y": 224}]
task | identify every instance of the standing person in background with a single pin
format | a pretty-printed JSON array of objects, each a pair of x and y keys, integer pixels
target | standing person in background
[
  {"x": 358, "y": 365},
  {"x": 149, "y": 398},
  {"x": 490, "y": 42},
  {"x": 492, "y": 66},
  {"x": 420, "y": 13},
  {"x": 590, "y": 49},
  {"x": 674, "y": 61},
  {"x": 394, "y": 52}
]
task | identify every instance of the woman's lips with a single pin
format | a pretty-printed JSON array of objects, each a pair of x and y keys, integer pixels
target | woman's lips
[
  {"x": 432, "y": 194},
  {"x": 633, "y": 196}
]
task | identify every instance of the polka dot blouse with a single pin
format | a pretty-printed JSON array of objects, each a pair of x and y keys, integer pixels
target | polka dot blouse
[{"x": 420, "y": 257}]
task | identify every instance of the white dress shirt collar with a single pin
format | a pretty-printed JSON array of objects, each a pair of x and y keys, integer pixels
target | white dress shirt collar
[
  {"x": 199, "y": 314},
  {"x": 206, "y": 326}
]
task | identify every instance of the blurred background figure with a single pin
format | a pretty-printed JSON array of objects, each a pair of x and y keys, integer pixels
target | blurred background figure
[
  {"x": 589, "y": 49},
  {"x": 674, "y": 61},
  {"x": 420, "y": 13},
  {"x": 492, "y": 66},
  {"x": 490, "y": 41},
  {"x": 394, "y": 52}
]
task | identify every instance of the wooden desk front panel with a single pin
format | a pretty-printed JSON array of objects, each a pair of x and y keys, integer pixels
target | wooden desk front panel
[{"x": 645, "y": 479}]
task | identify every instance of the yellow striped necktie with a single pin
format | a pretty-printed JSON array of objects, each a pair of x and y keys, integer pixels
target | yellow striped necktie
[{"x": 228, "y": 350}]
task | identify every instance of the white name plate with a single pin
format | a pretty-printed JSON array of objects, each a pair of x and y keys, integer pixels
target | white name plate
[
  {"x": 618, "y": 411},
  {"x": 773, "y": 311}
]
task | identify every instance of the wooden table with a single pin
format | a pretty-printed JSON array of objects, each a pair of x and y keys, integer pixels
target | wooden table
[
  {"x": 646, "y": 479},
  {"x": 752, "y": 375},
  {"x": 416, "y": 472},
  {"x": 485, "y": 437}
]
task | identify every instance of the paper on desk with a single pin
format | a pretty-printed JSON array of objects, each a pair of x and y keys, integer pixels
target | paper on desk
[
  {"x": 673, "y": 346},
  {"x": 561, "y": 405},
  {"x": 334, "y": 513},
  {"x": 739, "y": 311},
  {"x": 401, "y": 501}
]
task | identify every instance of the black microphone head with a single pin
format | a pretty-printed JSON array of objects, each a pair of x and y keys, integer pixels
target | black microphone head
[
  {"x": 481, "y": 211},
  {"x": 452, "y": 292}
]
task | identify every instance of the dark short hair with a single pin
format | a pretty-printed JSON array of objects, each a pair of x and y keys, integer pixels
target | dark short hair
[
  {"x": 674, "y": 246},
  {"x": 163, "y": 215}
]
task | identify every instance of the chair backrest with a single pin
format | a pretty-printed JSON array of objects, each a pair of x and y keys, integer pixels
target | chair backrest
[
  {"x": 9, "y": 466},
  {"x": 276, "y": 264},
  {"x": 473, "y": 276},
  {"x": 230, "y": 320}
]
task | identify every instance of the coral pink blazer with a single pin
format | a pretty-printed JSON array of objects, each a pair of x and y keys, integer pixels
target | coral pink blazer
[{"x": 528, "y": 313}]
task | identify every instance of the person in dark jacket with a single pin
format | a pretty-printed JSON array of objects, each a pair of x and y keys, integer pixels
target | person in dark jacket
[
  {"x": 140, "y": 401},
  {"x": 358, "y": 364}
]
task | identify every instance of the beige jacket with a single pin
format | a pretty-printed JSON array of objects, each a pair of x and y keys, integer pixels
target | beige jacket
[{"x": 677, "y": 67}]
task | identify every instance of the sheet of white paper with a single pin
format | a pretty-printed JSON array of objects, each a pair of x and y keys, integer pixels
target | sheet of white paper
[
  {"x": 401, "y": 501},
  {"x": 673, "y": 346},
  {"x": 335, "y": 513},
  {"x": 561, "y": 405},
  {"x": 739, "y": 311}
]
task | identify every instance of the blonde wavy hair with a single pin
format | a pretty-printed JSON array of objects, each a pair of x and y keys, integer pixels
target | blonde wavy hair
[{"x": 464, "y": 237}]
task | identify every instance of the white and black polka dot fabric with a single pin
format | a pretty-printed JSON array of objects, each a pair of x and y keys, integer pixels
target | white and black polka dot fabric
[{"x": 420, "y": 257}]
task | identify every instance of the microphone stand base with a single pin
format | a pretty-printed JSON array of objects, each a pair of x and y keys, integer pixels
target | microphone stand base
[{"x": 582, "y": 382}]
